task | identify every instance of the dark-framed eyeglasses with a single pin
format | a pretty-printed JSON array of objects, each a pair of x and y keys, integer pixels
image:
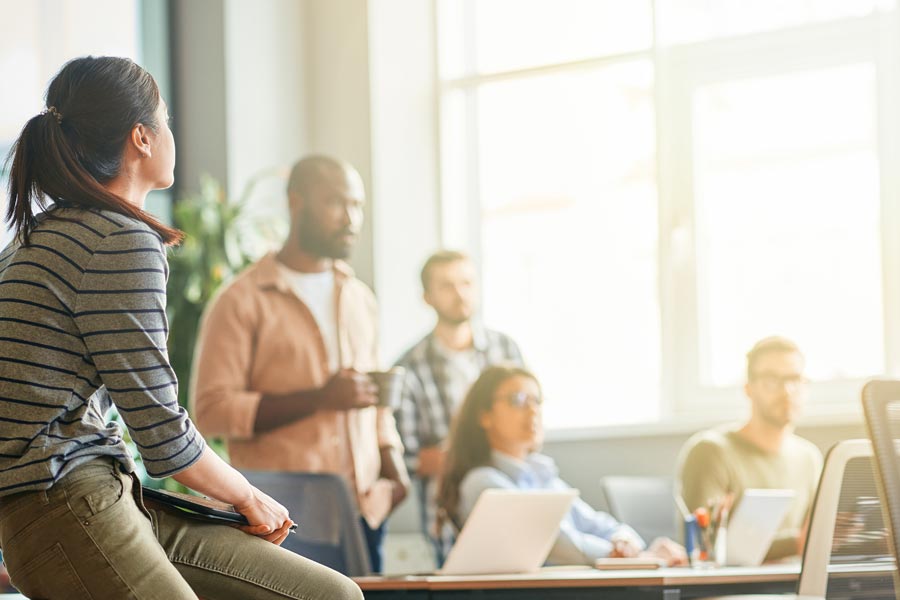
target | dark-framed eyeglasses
[
  {"x": 774, "y": 381},
  {"x": 522, "y": 399}
]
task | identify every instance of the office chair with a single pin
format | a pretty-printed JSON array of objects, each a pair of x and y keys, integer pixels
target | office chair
[
  {"x": 846, "y": 532},
  {"x": 329, "y": 531},
  {"x": 645, "y": 503},
  {"x": 881, "y": 404}
]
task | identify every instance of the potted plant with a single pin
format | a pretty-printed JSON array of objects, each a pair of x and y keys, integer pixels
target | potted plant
[{"x": 221, "y": 238}]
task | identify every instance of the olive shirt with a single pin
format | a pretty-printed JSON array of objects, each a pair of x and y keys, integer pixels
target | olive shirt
[{"x": 716, "y": 462}]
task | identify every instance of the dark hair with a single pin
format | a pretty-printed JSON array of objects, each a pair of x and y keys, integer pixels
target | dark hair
[
  {"x": 70, "y": 150},
  {"x": 469, "y": 447},
  {"x": 769, "y": 345},
  {"x": 441, "y": 257}
]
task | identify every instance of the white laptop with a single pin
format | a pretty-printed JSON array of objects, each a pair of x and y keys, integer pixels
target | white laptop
[
  {"x": 754, "y": 524},
  {"x": 508, "y": 531}
]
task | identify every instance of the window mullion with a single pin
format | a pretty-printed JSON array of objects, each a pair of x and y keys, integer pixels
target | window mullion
[{"x": 889, "y": 154}]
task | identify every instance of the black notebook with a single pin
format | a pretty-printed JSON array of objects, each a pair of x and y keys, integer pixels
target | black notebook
[{"x": 197, "y": 505}]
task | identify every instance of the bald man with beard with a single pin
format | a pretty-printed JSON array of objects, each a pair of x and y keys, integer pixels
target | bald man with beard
[{"x": 283, "y": 350}]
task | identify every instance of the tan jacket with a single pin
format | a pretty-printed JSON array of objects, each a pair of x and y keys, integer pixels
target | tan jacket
[{"x": 257, "y": 337}]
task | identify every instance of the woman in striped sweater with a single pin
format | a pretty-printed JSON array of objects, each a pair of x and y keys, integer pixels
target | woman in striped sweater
[{"x": 83, "y": 327}]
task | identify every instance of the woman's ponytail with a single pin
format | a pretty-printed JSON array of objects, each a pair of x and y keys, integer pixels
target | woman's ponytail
[
  {"x": 68, "y": 151},
  {"x": 24, "y": 186}
]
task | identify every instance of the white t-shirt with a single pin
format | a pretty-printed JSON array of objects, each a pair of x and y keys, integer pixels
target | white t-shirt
[
  {"x": 316, "y": 290},
  {"x": 462, "y": 369}
]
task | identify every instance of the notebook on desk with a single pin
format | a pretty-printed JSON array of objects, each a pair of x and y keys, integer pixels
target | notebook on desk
[
  {"x": 508, "y": 531},
  {"x": 754, "y": 524}
]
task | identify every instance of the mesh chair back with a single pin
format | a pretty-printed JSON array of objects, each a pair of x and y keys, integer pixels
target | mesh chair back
[
  {"x": 330, "y": 530},
  {"x": 881, "y": 404},
  {"x": 846, "y": 554},
  {"x": 645, "y": 503}
]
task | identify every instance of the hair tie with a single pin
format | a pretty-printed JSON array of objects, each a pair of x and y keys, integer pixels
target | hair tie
[{"x": 52, "y": 110}]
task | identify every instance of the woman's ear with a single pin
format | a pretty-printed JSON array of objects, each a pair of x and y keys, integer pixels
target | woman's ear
[
  {"x": 486, "y": 420},
  {"x": 140, "y": 140}
]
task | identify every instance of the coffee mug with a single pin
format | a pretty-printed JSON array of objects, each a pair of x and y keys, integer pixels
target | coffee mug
[{"x": 390, "y": 386}]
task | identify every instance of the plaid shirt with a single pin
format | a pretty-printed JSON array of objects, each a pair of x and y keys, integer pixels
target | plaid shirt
[{"x": 428, "y": 402}]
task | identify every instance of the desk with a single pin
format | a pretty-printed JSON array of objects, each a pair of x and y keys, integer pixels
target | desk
[{"x": 589, "y": 584}]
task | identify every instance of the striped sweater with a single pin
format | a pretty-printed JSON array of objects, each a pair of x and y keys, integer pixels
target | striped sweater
[{"x": 83, "y": 326}]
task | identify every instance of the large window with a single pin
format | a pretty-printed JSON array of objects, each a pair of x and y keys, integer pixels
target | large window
[
  {"x": 650, "y": 187},
  {"x": 787, "y": 214}
]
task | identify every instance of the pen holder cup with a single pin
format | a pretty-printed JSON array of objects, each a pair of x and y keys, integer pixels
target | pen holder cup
[{"x": 705, "y": 548}]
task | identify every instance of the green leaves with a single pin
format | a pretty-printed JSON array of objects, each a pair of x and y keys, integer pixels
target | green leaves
[
  {"x": 211, "y": 253},
  {"x": 221, "y": 238}
]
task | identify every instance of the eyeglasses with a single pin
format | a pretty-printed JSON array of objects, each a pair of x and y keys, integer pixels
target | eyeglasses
[
  {"x": 521, "y": 399},
  {"x": 773, "y": 382}
]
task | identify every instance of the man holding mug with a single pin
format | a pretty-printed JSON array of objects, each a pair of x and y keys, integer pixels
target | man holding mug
[{"x": 283, "y": 351}]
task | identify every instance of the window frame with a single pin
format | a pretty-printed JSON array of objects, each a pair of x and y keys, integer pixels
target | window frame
[
  {"x": 686, "y": 68},
  {"x": 678, "y": 71}
]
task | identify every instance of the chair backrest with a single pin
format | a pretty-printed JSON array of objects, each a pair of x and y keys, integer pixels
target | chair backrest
[
  {"x": 844, "y": 556},
  {"x": 645, "y": 503},
  {"x": 846, "y": 525},
  {"x": 330, "y": 531},
  {"x": 881, "y": 404}
]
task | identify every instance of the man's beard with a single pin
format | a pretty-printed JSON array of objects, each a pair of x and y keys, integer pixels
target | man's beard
[
  {"x": 777, "y": 418},
  {"x": 312, "y": 241},
  {"x": 454, "y": 319}
]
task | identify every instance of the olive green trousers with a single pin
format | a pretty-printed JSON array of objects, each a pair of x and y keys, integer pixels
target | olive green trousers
[{"x": 90, "y": 537}]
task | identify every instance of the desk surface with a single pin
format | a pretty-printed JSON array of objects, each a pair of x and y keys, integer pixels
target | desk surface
[
  {"x": 581, "y": 577},
  {"x": 585, "y": 577}
]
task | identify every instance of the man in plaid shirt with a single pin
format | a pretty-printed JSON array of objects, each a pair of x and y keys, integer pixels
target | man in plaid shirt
[{"x": 440, "y": 368}]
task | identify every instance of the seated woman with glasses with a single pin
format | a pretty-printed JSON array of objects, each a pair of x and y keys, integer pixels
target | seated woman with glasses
[{"x": 494, "y": 443}]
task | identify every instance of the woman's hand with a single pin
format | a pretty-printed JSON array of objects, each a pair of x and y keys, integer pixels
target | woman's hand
[
  {"x": 268, "y": 519},
  {"x": 673, "y": 553},
  {"x": 624, "y": 547},
  {"x": 213, "y": 477}
]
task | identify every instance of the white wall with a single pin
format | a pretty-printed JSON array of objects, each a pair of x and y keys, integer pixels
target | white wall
[
  {"x": 370, "y": 98},
  {"x": 241, "y": 98},
  {"x": 338, "y": 95},
  {"x": 267, "y": 113},
  {"x": 406, "y": 218}
]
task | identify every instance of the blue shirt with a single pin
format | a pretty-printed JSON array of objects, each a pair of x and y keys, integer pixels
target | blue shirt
[{"x": 585, "y": 534}]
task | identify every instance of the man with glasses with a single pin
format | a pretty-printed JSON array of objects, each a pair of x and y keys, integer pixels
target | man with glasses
[{"x": 764, "y": 452}]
